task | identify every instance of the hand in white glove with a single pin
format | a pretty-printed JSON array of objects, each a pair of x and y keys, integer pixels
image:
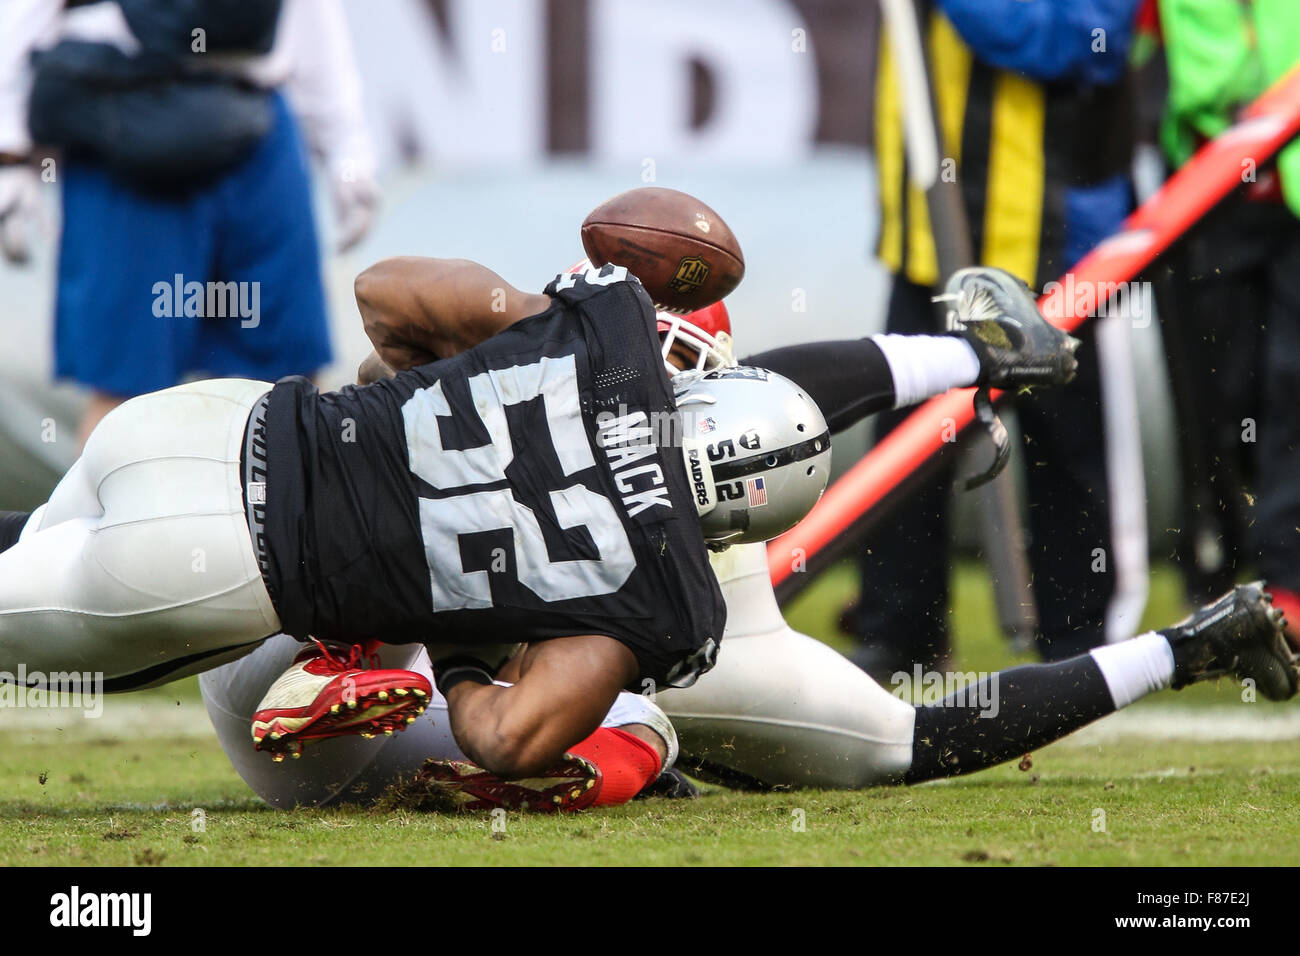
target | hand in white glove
[
  {"x": 356, "y": 200},
  {"x": 21, "y": 213}
]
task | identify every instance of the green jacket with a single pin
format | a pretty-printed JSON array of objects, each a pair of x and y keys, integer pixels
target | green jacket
[{"x": 1222, "y": 54}]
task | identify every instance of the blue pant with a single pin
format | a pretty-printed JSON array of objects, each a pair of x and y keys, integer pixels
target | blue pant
[{"x": 122, "y": 327}]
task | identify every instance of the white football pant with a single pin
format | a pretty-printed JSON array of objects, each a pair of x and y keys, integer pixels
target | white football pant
[
  {"x": 781, "y": 708},
  {"x": 140, "y": 566}
]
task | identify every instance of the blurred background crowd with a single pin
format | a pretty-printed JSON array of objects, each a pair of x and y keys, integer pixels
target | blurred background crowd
[{"x": 188, "y": 187}]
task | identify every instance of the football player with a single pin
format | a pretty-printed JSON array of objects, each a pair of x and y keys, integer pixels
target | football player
[
  {"x": 508, "y": 484},
  {"x": 780, "y": 708},
  {"x": 784, "y": 710}
]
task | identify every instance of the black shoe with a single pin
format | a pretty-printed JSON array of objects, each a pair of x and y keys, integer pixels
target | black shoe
[
  {"x": 997, "y": 314},
  {"x": 672, "y": 784},
  {"x": 1239, "y": 634}
]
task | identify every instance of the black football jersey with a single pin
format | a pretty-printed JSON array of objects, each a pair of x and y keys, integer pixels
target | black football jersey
[{"x": 515, "y": 492}]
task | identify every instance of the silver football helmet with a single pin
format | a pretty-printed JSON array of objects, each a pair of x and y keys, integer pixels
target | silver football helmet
[{"x": 757, "y": 451}]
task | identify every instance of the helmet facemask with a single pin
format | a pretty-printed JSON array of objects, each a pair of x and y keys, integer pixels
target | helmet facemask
[{"x": 686, "y": 341}]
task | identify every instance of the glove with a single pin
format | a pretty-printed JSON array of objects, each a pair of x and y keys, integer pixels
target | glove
[
  {"x": 996, "y": 313},
  {"x": 356, "y": 199},
  {"x": 21, "y": 214}
]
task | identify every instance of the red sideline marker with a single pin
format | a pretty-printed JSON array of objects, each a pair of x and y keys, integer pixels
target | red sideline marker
[{"x": 1216, "y": 170}]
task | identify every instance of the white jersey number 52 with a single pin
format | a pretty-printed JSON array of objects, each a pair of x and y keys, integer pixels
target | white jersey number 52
[{"x": 444, "y": 520}]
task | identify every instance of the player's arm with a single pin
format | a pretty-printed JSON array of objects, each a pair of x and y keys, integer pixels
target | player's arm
[
  {"x": 563, "y": 689},
  {"x": 417, "y": 310}
]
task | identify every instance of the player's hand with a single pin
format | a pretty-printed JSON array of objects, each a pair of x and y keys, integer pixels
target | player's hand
[
  {"x": 21, "y": 214},
  {"x": 998, "y": 315},
  {"x": 356, "y": 201}
]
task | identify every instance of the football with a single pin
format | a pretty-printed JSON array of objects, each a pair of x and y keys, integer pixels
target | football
[{"x": 683, "y": 252}]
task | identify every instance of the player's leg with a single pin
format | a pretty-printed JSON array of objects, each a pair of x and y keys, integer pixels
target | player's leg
[
  {"x": 780, "y": 709},
  {"x": 784, "y": 710},
  {"x": 141, "y": 566},
  {"x": 1018, "y": 710}
]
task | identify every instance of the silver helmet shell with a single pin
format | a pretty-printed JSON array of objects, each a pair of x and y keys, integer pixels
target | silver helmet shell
[{"x": 757, "y": 451}]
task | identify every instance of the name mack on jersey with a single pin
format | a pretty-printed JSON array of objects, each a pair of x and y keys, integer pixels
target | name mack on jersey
[{"x": 633, "y": 456}]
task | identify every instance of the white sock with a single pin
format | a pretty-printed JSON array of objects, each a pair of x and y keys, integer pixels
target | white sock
[
  {"x": 927, "y": 365},
  {"x": 1136, "y": 667}
]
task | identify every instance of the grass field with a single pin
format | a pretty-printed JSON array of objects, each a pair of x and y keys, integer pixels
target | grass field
[{"x": 119, "y": 793}]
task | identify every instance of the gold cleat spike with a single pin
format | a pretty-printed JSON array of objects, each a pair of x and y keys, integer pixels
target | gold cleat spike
[
  {"x": 367, "y": 735},
  {"x": 352, "y": 705},
  {"x": 410, "y": 720},
  {"x": 334, "y": 708},
  {"x": 419, "y": 693},
  {"x": 297, "y": 754},
  {"x": 388, "y": 732},
  {"x": 400, "y": 691},
  {"x": 382, "y": 695},
  {"x": 276, "y": 735}
]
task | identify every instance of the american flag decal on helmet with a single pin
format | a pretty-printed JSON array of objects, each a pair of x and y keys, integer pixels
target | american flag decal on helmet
[{"x": 757, "y": 492}]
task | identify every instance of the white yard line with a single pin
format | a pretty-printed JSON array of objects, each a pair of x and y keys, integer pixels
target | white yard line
[
  {"x": 123, "y": 717},
  {"x": 1258, "y": 722}
]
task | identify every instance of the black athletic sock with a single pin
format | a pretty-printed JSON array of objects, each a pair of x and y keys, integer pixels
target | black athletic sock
[
  {"x": 1028, "y": 707},
  {"x": 11, "y": 526},
  {"x": 848, "y": 380}
]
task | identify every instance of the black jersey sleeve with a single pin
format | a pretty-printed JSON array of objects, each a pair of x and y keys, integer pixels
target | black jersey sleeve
[{"x": 848, "y": 379}]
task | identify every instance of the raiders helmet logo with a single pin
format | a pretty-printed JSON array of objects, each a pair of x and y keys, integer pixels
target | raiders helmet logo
[{"x": 690, "y": 275}]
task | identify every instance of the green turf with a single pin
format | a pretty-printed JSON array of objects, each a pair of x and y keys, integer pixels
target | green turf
[{"x": 82, "y": 796}]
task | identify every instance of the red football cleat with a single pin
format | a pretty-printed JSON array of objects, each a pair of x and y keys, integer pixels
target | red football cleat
[
  {"x": 573, "y": 783},
  {"x": 323, "y": 695}
]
